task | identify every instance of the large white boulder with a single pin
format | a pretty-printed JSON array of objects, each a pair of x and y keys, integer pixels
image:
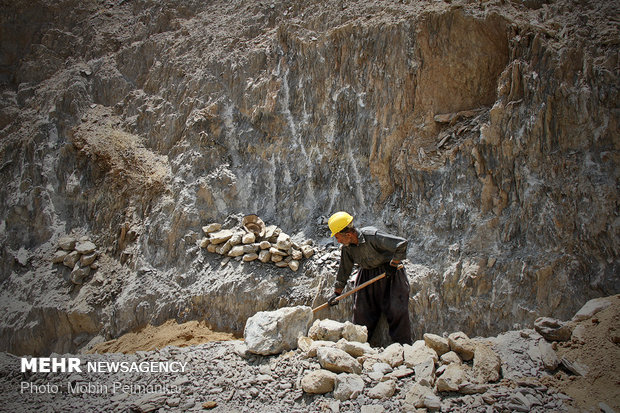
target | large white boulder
[{"x": 272, "y": 332}]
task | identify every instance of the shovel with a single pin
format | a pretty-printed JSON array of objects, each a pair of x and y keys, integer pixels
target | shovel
[{"x": 348, "y": 293}]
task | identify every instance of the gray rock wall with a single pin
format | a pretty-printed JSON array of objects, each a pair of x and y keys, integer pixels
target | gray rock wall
[{"x": 485, "y": 134}]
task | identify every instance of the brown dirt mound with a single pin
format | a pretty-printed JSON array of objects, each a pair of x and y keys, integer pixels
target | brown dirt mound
[
  {"x": 168, "y": 334},
  {"x": 599, "y": 351}
]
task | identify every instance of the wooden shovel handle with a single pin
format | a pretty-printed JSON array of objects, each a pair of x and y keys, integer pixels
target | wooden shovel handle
[{"x": 348, "y": 293}]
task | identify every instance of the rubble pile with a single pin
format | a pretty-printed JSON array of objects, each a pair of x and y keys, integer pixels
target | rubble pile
[
  {"x": 253, "y": 240},
  {"x": 79, "y": 255}
]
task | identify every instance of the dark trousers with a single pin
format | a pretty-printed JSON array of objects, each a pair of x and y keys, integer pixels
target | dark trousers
[{"x": 389, "y": 296}]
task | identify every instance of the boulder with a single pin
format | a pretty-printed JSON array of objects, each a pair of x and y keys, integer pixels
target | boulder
[
  {"x": 348, "y": 386},
  {"x": 252, "y": 256},
  {"x": 437, "y": 343},
  {"x": 425, "y": 373},
  {"x": 59, "y": 256},
  {"x": 553, "y": 329},
  {"x": 271, "y": 332},
  {"x": 315, "y": 345},
  {"x": 264, "y": 256},
  {"x": 71, "y": 259},
  {"x": 248, "y": 238},
  {"x": 264, "y": 245},
  {"x": 79, "y": 274},
  {"x": 293, "y": 265},
  {"x": 462, "y": 345},
  {"x": 88, "y": 259},
  {"x": 319, "y": 382},
  {"x": 337, "y": 360},
  {"x": 236, "y": 251},
  {"x": 307, "y": 251}
]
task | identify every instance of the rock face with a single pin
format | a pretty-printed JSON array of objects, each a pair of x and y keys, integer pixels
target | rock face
[
  {"x": 271, "y": 332},
  {"x": 487, "y": 137}
]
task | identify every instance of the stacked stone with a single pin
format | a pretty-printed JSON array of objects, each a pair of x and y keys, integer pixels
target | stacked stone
[
  {"x": 275, "y": 246},
  {"x": 78, "y": 254}
]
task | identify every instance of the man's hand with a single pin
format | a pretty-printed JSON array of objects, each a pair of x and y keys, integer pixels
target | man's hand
[
  {"x": 391, "y": 269},
  {"x": 332, "y": 300}
]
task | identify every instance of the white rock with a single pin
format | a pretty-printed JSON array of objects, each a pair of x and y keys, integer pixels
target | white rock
[
  {"x": 276, "y": 251},
  {"x": 271, "y": 332},
  {"x": 337, "y": 360},
  {"x": 209, "y": 228},
  {"x": 591, "y": 308},
  {"x": 354, "y": 332},
  {"x": 293, "y": 265},
  {"x": 393, "y": 354},
  {"x": 264, "y": 245},
  {"x": 318, "y": 382},
  {"x": 383, "y": 390},
  {"x": 382, "y": 368},
  {"x": 432, "y": 402},
  {"x": 548, "y": 356},
  {"x": 307, "y": 250},
  {"x": 315, "y": 345},
  {"x": 348, "y": 386},
  {"x": 276, "y": 258},
  {"x": 425, "y": 373},
  {"x": 437, "y": 343},
  {"x": 297, "y": 255},
  {"x": 204, "y": 243},
  {"x": 250, "y": 257},
  {"x": 372, "y": 408},
  {"x": 236, "y": 251}
]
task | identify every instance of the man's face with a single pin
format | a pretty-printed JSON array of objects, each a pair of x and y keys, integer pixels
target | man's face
[{"x": 346, "y": 238}]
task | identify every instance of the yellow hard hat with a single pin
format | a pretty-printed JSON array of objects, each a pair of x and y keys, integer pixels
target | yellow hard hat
[{"x": 339, "y": 221}]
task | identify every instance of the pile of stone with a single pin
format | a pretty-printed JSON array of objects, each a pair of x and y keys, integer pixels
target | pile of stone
[
  {"x": 255, "y": 241},
  {"x": 78, "y": 254},
  {"x": 439, "y": 365}
]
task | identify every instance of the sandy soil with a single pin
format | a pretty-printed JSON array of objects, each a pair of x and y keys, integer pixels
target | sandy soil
[{"x": 168, "y": 334}]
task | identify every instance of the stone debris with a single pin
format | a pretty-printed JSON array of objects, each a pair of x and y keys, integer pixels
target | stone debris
[
  {"x": 553, "y": 329},
  {"x": 79, "y": 255},
  {"x": 256, "y": 242}
]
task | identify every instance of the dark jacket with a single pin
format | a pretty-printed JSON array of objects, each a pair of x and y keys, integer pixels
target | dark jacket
[{"x": 374, "y": 249}]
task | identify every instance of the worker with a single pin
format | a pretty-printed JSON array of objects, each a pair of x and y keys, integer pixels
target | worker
[{"x": 375, "y": 252}]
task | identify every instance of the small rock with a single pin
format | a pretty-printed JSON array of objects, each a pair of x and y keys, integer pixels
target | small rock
[
  {"x": 383, "y": 390},
  {"x": 451, "y": 379},
  {"x": 293, "y": 265},
  {"x": 71, "y": 259},
  {"x": 425, "y": 373},
  {"x": 348, "y": 386},
  {"x": 284, "y": 241},
  {"x": 393, "y": 355},
  {"x": 208, "y": 229},
  {"x": 264, "y": 245},
  {"x": 307, "y": 251},
  {"x": 264, "y": 256},
  {"x": 67, "y": 243},
  {"x": 276, "y": 258},
  {"x": 437, "y": 343},
  {"x": 451, "y": 357},
  {"x": 276, "y": 251},
  {"x": 209, "y": 405},
  {"x": 417, "y": 394},
  {"x": 88, "y": 259},
  {"x": 203, "y": 243},
  {"x": 354, "y": 332},
  {"x": 337, "y": 360},
  {"x": 354, "y": 348},
  {"x": 248, "y": 238},
  {"x": 220, "y": 237},
  {"x": 79, "y": 274},
  {"x": 462, "y": 345},
  {"x": 85, "y": 247},
  {"x": 432, "y": 402},
  {"x": 59, "y": 256},
  {"x": 591, "y": 308},
  {"x": 250, "y": 257},
  {"x": 553, "y": 329},
  {"x": 236, "y": 251},
  {"x": 319, "y": 382}
]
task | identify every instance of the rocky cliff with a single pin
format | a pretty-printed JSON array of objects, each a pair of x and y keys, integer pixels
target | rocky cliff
[{"x": 486, "y": 133}]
